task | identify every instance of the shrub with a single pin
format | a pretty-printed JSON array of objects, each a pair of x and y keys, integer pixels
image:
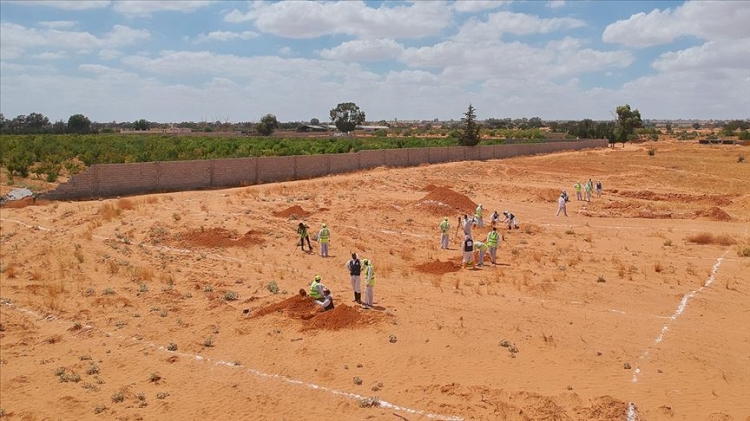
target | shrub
[
  {"x": 172, "y": 346},
  {"x": 741, "y": 159},
  {"x": 708, "y": 238},
  {"x": 651, "y": 151},
  {"x": 231, "y": 296},
  {"x": 209, "y": 342},
  {"x": 273, "y": 287},
  {"x": 118, "y": 397},
  {"x": 93, "y": 369}
]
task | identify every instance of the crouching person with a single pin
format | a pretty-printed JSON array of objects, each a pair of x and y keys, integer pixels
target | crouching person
[{"x": 327, "y": 303}]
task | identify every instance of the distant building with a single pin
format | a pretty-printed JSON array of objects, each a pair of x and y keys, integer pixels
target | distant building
[
  {"x": 313, "y": 128},
  {"x": 168, "y": 130}
]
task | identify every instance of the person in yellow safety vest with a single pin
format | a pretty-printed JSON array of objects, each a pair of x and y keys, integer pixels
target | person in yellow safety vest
[
  {"x": 324, "y": 236},
  {"x": 578, "y": 187},
  {"x": 369, "y": 284},
  {"x": 478, "y": 216},
  {"x": 482, "y": 247},
  {"x": 316, "y": 288},
  {"x": 493, "y": 239},
  {"x": 445, "y": 229}
]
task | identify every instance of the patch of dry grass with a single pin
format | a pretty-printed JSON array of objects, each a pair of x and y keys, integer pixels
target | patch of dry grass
[{"x": 704, "y": 238}]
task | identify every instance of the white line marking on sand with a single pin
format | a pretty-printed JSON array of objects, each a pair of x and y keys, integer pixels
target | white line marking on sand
[{"x": 258, "y": 373}]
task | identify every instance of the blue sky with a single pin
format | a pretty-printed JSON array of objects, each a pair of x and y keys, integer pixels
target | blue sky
[{"x": 172, "y": 61}]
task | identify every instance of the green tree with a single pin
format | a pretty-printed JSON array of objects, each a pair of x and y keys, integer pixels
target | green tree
[
  {"x": 469, "y": 135},
  {"x": 669, "y": 127},
  {"x": 315, "y": 122},
  {"x": 141, "y": 124},
  {"x": 696, "y": 126},
  {"x": 268, "y": 124},
  {"x": 627, "y": 121},
  {"x": 79, "y": 123},
  {"x": 346, "y": 116}
]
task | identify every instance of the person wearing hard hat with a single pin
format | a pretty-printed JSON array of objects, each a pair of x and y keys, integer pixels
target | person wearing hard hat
[
  {"x": 324, "y": 236},
  {"x": 482, "y": 248},
  {"x": 493, "y": 239},
  {"x": 511, "y": 220},
  {"x": 478, "y": 216},
  {"x": 445, "y": 229},
  {"x": 302, "y": 232},
  {"x": 316, "y": 288},
  {"x": 369, "y": 284},
  {"x": 327, "y": 302}
]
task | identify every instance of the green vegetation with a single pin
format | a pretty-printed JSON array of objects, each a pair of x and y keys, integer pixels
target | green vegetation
[{"x": 469, "y": 134}]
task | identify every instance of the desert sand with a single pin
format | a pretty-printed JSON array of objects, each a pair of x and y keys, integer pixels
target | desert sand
[{"x": 634, "y": 307}]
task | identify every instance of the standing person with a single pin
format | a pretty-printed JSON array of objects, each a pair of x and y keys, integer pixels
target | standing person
[
  {"x": 468, "y": 250},
  {"x": 493, "y": 238},
  {"x": 369, "y": 283},
  {"x": 354, "y": 267},
  {"x": 445, "y": 227},
  {"x": 316, "y": 288},
  {"x": 598, "y": 189},
  {"x": 324, "y": 236},
  {"x": 511, "y": 220},
  {"x": 495, "y": 218},
  {"x": 467, "y": 225},
  {"x": 589, "y": 187},
  {"x": 482, "y": 248},
  {"x": 561, "y": 205},
  {"x": 565, "y": 195},
  {"x": 327, "y": 302},
  {"x": 302, "y": 232},
  {"x": 577, "y": 186},
  {"x": 478, "y": 216}
]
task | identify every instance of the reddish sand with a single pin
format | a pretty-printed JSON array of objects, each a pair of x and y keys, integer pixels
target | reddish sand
[{"x": 634, "y": 307}]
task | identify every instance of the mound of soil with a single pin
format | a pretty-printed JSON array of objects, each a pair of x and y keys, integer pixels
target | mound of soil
[
  {"x": 294, "y": 210},
  {"x": 443, "y": 201},
  {"x": 438, "y": 267},
  {"x": 296, "y": 307},
  {"x": 218, "y": 237},
  {"x": 715, "y": 213},
  {"x": 716, "y": 200},
  {"x": 304, "y": 308}
]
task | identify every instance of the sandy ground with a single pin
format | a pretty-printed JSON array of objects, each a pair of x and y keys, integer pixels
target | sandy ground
[{"x": 635, "y": 307}]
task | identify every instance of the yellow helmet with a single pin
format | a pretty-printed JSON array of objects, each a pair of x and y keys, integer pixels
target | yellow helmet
[
  {"x": 324, "y": 224},
  {"x": 365, "y": 262},
  {"x": 318, "y": 278}
]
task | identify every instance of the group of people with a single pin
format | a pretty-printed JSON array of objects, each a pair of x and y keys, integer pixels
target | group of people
[
  {"x": 469, "y": 246},
  {"x": 323, "y": 237},
  {"x": 583, "y": 192},
  {"x": 322, "y": 295}
]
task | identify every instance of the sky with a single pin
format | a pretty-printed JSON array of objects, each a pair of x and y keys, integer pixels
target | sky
[{"x": 236, "y": 61}]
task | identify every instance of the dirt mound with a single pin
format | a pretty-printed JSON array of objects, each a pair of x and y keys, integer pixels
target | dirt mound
[
  {"x": 443, "y": 201},
  {"x": 715, "y": 213},
  {"x": 438, "y": 267},
  {"x": 296, "y": 307},
  {"x": 341, "y": 317},
  {"x": 716, "y": 200},
  {"x": 295, "y": 210},
  {"x": 218, "y": 237},
  {"x": 304, "y": 308}
]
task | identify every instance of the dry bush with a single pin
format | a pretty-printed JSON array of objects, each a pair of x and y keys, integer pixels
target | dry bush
[
  {"x": 708, "y": 238},
  {"x": 658, "y": 268},
  {"x": 10, "y": 272},
  {"x": 112, "y": 267},
  {"x": 108, "y": 212},
  {"x": 35, "y": 274},
  {"x": 142, "y": 273},
  {"x": 150, "y": 200},
  {"x": 125, "y": 204}
]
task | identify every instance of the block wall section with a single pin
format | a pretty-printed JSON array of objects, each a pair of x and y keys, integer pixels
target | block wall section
[
  {"x": 437, "y": 155},
  {"x": 456, "y": 153},
  {"x": 343, "y": 163},
  {"x": 419, "y": 156},
  {"x": 309, "y": 166},
  {"x": 486, "y": 152},
  {"x": 234, "y": 172},
  {"x": 371, "y": 159},
  {"x": 125, "y": 179},
  {"x": 183, "y": 175},
  {"x": 273, "y": 169},
  {"x": 397, "y": 157},
  {"x": 80, "y": 186}
]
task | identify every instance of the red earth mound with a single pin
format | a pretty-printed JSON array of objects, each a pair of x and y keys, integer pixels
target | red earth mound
[
  {"x": 304, "y": 308},
  {"x": 438, "y": 267},
  {"x": 715, "y": 213},
  {"x": 444, "y": 201},
  {"x": 218, "y": 237},
  {"x": 294, "y": 210}
]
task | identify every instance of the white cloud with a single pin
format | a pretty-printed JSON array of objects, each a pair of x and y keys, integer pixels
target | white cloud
[
  {"x": 226, "y": 36},
  {"x": 65, "y": 4},
  {"x": 109, "y": 54},
  {"x": 148, "y": 7},
  {"x": 286, "y": 51},
  {"x": 555, "y": 4},
  {"x": 17, "y": 38},
  {"x": 470, "y": 6},
  {"x": 499, "y": 23},
  {"x": 59, "y": 24},
  {"x": 709, "y": 20},
  {"x": 308, "y": 19},
  {"x": 364, "y": 50},
  {"x": 47, "y": 55}
]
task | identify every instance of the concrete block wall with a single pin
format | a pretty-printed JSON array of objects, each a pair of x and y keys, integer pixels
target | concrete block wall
[{"x": 109, "y": 180}]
